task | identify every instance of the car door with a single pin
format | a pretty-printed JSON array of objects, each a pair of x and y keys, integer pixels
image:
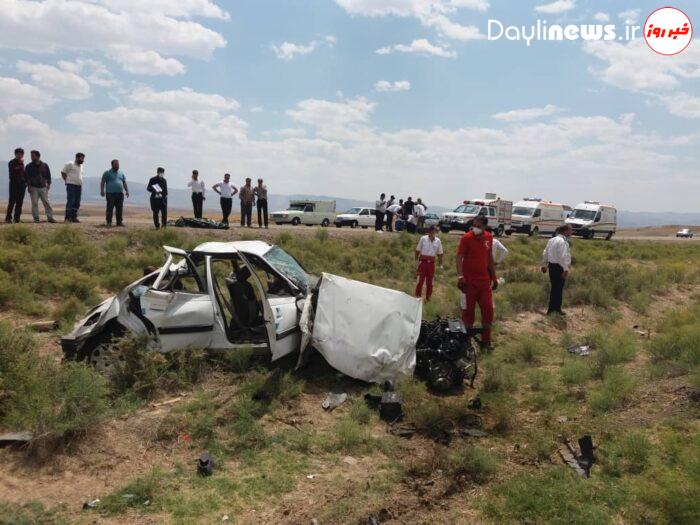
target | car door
[{"x": 178, "y": 304}]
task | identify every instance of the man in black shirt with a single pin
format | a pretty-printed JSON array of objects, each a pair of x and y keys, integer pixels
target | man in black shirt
[
  {"x": 18, "y": 186},
  {"x": 408, "y": 207},
  {"x": 38, "y": 177},
  {"x": 158, "y": 187}
]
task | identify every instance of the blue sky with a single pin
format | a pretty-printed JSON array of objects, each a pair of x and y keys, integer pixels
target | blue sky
[{"x": 355, "y": 97}]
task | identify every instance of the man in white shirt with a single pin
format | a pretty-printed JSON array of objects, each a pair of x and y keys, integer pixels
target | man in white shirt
[
  {"x": 429, "y": 248},
  {"x": 72, "y": 174},
  {"x": 226, "y": 190},
  {"x": 556, "y": 259},
  {"x": 419, "y": 214},
  {"x": 379, "y": 211},
  {"x": 197, "y": 194}
]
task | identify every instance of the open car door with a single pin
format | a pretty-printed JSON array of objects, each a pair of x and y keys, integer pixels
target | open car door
[{"x": 178, "y": 304}]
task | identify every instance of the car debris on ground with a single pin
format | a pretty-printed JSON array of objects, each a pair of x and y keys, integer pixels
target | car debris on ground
[
  {"x": 190, "y": 222},
  {"x": 10, "y": 438},
  {"x": 580, "y": 463},
  {"x": 205, "y": 464},
  {"x": 333, "y": 400},
  {"x": 581, "y": 350},
  {"x": 91, "y": 504}
]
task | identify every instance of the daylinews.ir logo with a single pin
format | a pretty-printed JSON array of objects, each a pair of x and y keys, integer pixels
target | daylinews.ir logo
[{"x": 668, "y": 31}]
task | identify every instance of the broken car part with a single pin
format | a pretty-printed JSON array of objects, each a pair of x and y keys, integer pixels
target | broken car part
[
  {"x": 205, "y": 464},
  {"x": 580, "y": 463},
  {"x": 446, "y": 354},
  {"x": 333, "y": 400},
  {"x": 391, "y": 407},
  {"x": 582, "y": 350}
]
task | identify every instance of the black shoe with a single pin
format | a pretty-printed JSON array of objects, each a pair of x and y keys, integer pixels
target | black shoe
[
  {"x": 76, "y": 220},
  {"x": 485, "y": 348},
  {"x": 52, "y": 220},
  {"x": 120, "y": 225},
  {"x": 37, "y": 221}
]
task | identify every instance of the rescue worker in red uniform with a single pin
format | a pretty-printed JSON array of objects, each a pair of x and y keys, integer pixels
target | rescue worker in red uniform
[
  {"x": 476, "y": 273},
  {"x": 429, "y": 248}
]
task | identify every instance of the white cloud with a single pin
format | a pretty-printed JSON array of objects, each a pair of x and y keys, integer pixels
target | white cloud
[
  {"x": 601, "y": 17},
  {"x": 560, "y": 6},
  {"x": 61, "y": 83},
  {"x": 633, "y": 66},
  {"x": 682, "y": 105},
  {"x": 520, "y": 115},
  {"x": 257, "y": 109},
  {"x": 629, "y": 17},
  {"x": 94, "y": 71},
  {"x": 175, "y": 8},
  {"x": 145, "y": 62},
  {"x": 16, "y": 96},
  {"x": 420, "y": 46},
  {"x": 431, "y": 13},
  {"x": 343, "y": 120},
  {"x": 383, "y": 86},
  {"x": 289, "y": 50},
  {"x": 184, "y": 99},
  {"x": 285, "y": 132},
  {"x": 52, "y": 25}
]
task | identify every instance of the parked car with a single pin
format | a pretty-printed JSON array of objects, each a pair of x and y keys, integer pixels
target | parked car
[
  {"x": 431, "y": 219},
  {"x": 685, "y": 232},
  {"x": 311, "y": 213},
  {"x": 354, "y": 217},
  {"x": 227, "y": 296}
]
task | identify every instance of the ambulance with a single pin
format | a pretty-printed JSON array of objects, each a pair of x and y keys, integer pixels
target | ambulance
[
  {"x": 592, "y": 219},
  {"x": 537, "y": 217},
  {"x": 496, "y": 209}
]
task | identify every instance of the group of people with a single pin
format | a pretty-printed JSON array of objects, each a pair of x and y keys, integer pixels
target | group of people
[
  {"x": 35, "y": 178},
  {"x": 386, "y": 211},
  {"x": 478, "y": 255}
]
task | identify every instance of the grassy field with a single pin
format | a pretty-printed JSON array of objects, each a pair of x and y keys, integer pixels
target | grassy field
[{"x": 281, "y": 459}]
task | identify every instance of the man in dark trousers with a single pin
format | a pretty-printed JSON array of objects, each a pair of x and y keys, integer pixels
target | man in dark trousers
[
  {"x": 556, "y": 259},
  {"x": 72, "y": 174},
  {"x": 38, "y": 177},
  {"x": 260, "y": 193},
  {"x": 197, "y": 194},
  {"x": 379, "y": 211},
  {"x": 408, "y": 208},
  {"x": 226, "y": 191},
  {"x": 113, "y": 187},
  {"x": 390, "y": 214},
  {"x": 18, "y": 186},
  {"x": 247, "y": 198},
  {"x": 158, "y": 187},
  {"x": 476, "y": 273}
]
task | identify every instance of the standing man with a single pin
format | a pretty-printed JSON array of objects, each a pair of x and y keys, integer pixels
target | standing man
[
  {"x": 158, "y": 187},
  {"x": 419, "y": 213},
  {"x": 113, "y": 186},
  {"x": 18, "y": 186},
  {"x": 556, "y": 259},
  {"x": 38, "y": 176},
  {"x": 476, "y": 273},
  {"x": 408, "y": 207},
  {"x": 247, "y": 198},
  {"x": 429, "y": 247},
  {"x": 226, "y": 191},
  {"x": 390, "y": 211},
  {"x": 379, "y": 211},
  {"x": 72, "y": 174},
  {"x": 197, "y": 194},
  {"x": 260, "y": 193}
]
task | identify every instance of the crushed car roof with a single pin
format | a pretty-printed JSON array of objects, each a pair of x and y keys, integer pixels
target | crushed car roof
[{"x": 253, "y": 247}]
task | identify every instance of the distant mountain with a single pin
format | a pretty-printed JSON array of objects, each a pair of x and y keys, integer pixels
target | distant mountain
[{"x": 640, "y": 219}]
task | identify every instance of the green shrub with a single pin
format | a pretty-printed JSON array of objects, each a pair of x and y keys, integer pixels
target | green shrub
[
  {"x": 629, "y": 453},
  {"x": 476, "y": 464},
  {"x": 575, "y": 372},
  {"x": 525, "y": 295},
  {"x": 611, "y": 346},
  {"x": 527, "y": 348},
  {"x": 30, "y": 513},
  {"x": 499, "y": 378},
  {"x": 617, "y": 388},
  {"x": 350, "y": 436},
  {"x": 143, "y": 494}
]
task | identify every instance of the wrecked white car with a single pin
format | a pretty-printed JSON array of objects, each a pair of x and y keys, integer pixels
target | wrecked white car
[{"x": 224, "y": 296}]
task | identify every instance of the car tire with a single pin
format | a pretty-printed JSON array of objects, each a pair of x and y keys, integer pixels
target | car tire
[
  {"x": 609, "y": 236},
  {"x": 590, "y": 234},
  {"x": 444, "y": 230},
  {"x": 325, "y": 223},
  {"x": 354, "y": 224},
  {"x": 296, "y": 221},
  {"x": 509, "y": 232},
  {"x": 338, "y": 225},
  {"x": 534, "y": 232},
  {"x": 500, "y": 230}
]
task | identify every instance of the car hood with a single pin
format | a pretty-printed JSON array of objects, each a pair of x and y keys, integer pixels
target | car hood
[{"x": 347, "y": 216}]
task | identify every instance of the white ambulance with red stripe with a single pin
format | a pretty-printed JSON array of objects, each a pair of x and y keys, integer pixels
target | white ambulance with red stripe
[{"x": 592, "y": 219}]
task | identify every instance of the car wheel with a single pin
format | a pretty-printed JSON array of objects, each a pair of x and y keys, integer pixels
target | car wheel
[
  {"x": 500, "y": 231},
  {"x": 325, "y": 223},
  {"x": 609, "y": 236},
  {"x": 509, "y": 232},
  {"x": 590, "y": 234},
  {"x": 296, "y": 221},
  {"x": 534, "y": 232},
  {"x": 353, "y": 224},
  {"x": 338, "y": 225},
  {"x": 444, "y": 230}
]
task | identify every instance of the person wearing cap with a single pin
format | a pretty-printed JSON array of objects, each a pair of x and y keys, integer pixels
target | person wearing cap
[
  {"x": 476, "y": 271},
  {"x": 38, "y": 177},
  {"x": 18, "y": 187},
  {"x": 72, "y": 174},
  {"x": 158, "y": 187},
  {"x": 226, "y": 191},
  {"x": 247, "y": 199},
  {"x": 260, "y": 194},
  {"x": 197, "y": 194},
  {"x": 429, "y": 248}
]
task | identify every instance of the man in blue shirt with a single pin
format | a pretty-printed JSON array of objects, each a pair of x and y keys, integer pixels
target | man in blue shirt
[{"x": 113, "y": 186}]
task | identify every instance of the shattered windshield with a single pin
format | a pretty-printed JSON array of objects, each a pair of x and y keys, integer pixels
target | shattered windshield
[
  {"x": 523, "y": 210},
  {"x": 287, "y": 266},
  {"x": 586, "y": 215}
]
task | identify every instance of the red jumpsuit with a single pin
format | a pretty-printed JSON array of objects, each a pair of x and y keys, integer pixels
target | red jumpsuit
[
  {"x": 476, "y": 253},
  {"x": 427, "y": 252}
]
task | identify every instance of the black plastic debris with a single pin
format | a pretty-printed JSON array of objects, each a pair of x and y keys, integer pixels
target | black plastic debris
[
  {"x": 189, "y": 222},
  {"x": 474, "y": 404},
  {"x": 205, "y": 464},
  {"x": 580, "y": 463},
  {"x": 91, "y": 504},
  {"x": 333, "y": 400},
  {"x": 391, "y": 407}
]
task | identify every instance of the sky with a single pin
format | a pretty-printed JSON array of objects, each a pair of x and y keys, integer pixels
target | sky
[{"x": 352, "y": 98}]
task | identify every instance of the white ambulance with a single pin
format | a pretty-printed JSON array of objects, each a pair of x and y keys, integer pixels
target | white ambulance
[
  {"x": 496, "y": 209},
  {"x": 537, "y": 217},
  {"x": 591, "y": 218}
]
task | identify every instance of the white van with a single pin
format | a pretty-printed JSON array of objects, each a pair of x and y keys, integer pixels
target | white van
[
  {"x": 590, "y": 219},
  {"x": 497, "y": 210},
  {"x": 320, "y": 213},
  {"x": 537, "y": 217}
]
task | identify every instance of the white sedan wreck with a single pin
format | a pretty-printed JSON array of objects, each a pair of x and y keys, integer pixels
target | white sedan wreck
[{"x": 224, "y": 296}]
